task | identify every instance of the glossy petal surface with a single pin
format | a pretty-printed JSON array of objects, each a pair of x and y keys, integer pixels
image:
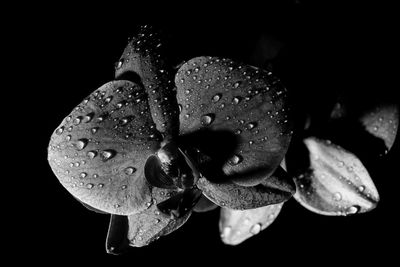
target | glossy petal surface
[
  {"x": 221, "y": 95},
  {"x": 337, "y": 183},
  {"x": 99, "y": 150},
  {"x": 236, "y": 226},
  {"x": 144, "y": 61}
]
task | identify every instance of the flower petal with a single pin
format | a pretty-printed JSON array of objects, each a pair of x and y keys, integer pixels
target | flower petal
[
  {"x": 337, "y": 184},
  {"x": 382, "y": 122},
  {"x": 148, "y": 225},
  {"x": 271, "y": 191},
  {"x": 99, "y": 151},
  {"x": 143, "y": 60},
  {"x": 219, "y": 94},
  {"x": 236, "y": 226}
]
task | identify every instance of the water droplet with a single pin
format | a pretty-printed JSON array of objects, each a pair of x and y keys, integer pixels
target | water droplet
[
  {"x": 91, "y": 154},
  {"x": 255, "y": 229},
  {"x": 207, "y": 119},
  {"x": 148, "y": 204},
  {"x": 68, "y": 137},
  {"x": 352, "y": 210},
  {"x": 180, "y": 108},
  {"x": 187, "y": 91},
  {"x": 94, "y": 130},
  {"x": 118, "y": 64},
  {"x": 129, "y": 170},
  {"x": 89, "y": 186},
  {"x": 236, "y": 159},
  {"x": 77, "y": 120},
  {"x": 375, "y": 128},
  {"x": 107, "y": 154},
  {"x": 236, "y": 100},
  {"x": 251, "y": 125},
  {"x": 89, "y": 117},
  {"x": 216, "y": 98},
  {"x": 108, "y": 99},
  {"x": 236, "y": 84},
  {"x": 83, "y": 174},
  {"x": 60, "y": 130},
  {"x": 226, "y": 231},
  {"x": 81, "y": 144},
  {"x": 100, "y": 185},
  {"x": 337, "y": 196},
  {"x": 361, "y": 188},
  {"x": 124, "y": 186},
  {"x": 68, "y": 119},
  {"x": 116, "y": 206}
]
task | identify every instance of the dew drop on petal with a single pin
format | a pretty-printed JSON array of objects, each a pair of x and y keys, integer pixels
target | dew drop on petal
[
  {"x": 81, "y": 144},
  {"x": 91, "y": 154},
  {"x": 89, "y": 186},
  {"x": 361, "y": 188},
  {"x": 107, "y": 154},
  {"x": 235, "y": 160},
  {"x": 216, "y": 98},
  {"x": 207, "y": 119},
  {"x": 226, "y": 231},
  {"x": 129, "y": 170},
  {"x": 352, "y": 210},
  {"x": 255, "y": 229},
  {"x": 236, "y": 100},
  {"x": 60, "y": 130},
  {"x": 337, "y": 196}
]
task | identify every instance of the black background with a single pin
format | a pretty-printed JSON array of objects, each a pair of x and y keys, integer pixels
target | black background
[{"x": 328, "y": 49}]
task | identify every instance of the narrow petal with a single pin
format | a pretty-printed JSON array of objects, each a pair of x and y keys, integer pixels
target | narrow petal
[
  {"x": 144, "y": 61},
  {"x": 236, "y": 226},
  {"x": 337, "y": 183},
  {"x": 221, "y": 95},
  {"x": 99, "y": 151}
]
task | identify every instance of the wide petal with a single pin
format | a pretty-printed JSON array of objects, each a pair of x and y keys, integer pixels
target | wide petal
[
  {"x": 337, "y": 182},
  {"x": 236, "y": 226},
  {"x": 144, "y": 61},
  {"x": 99, "y": 150},
  {"x": 221, "y": 95},
  {"x": 230, "y": 195}
]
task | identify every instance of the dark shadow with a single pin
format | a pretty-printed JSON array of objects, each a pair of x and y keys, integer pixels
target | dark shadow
[
  {"x": 130, "y": 76},
  {"x": 216, "y": 147}
]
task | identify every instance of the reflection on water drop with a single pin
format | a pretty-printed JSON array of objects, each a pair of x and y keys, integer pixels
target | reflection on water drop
[
  {"x": 81, "y": 144},
  {"x": 129, "y": 170},
  {"x": 236, "y": 159},
  {"x": 226, "y": 231},
  {"x": 89, "y": 186},
  {"x": 60, "y": 130},
  {"x": 361, "y": 188},
  {"x": 236, "y": 100},
  {"x": 207, "y": 119},
  {"x": 216, "y": 98},
  {"x": 255, "y": 229},
  {"x": 88, "y": 117},
  {"x": 107, "y": 154},
  {"x": 352, "y": 210},
  {"x": 91, "y": 154},
  {"x": 118, "y": 64},
  {"x": 337, "y": 196}
]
